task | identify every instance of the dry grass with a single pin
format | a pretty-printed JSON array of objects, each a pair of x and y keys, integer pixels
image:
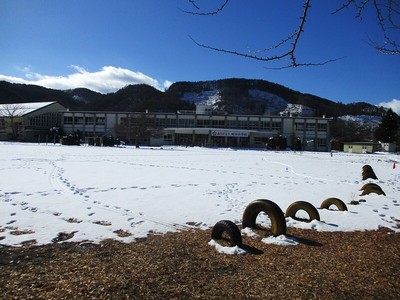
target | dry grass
[{"x": 357, "y": 265}]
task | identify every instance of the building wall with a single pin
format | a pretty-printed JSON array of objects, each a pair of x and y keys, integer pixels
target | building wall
[
  {"x": 360, "y": 147},
  {"x": 31, "y": 126},
  {"x": 207, "y": 130},
  {"x": 389, "y": 147},
  {"x": 37, "y": 124}
]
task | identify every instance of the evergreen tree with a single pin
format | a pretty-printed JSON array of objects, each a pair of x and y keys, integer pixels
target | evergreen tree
[{"x": 389, "y": 127}]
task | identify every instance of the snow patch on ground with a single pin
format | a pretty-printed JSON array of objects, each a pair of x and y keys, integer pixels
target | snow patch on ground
[
  {"x": 281, "y": 240},
  {"x": 236, "y": 250}
]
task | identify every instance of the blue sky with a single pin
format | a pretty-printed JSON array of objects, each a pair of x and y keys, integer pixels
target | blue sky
[{"x": 105, "y": 45}]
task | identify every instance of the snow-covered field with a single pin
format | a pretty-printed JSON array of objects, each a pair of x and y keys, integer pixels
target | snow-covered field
[{"x": 96, "y": 193}]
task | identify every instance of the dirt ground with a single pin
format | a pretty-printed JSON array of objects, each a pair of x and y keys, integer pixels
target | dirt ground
[{"x": 356, "y": 265}]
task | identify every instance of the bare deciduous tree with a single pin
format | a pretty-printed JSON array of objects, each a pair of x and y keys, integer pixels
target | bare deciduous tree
[
  {"x": 138, "y": 128},
  {"x": 387, "y": 13},
  {"x": 10, "y": 112}
]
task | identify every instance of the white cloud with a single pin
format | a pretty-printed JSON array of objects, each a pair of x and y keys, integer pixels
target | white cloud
[
  {"x": 107, "y": 79},
  {"x": 167, "y": 84},
  {"x": 394, "y": 105}
]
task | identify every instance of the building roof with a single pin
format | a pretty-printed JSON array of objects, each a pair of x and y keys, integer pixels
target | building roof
[
  {"x": 361, "y": 143},
  {"x": 21, "y": 109}
]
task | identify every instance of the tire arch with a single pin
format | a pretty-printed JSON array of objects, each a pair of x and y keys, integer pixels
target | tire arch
[
  {"x": 368, "y": 191},
  {"x": 369, "y": 186},
  {"x": 333, "y": 201},
  {"x": 302, "y": 205},
  {"x": 231, "y": 229},
  {"x": 278, "y": 221}
]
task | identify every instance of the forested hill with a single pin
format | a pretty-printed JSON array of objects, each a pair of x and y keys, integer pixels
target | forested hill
[{"x": 236, "y": 96}]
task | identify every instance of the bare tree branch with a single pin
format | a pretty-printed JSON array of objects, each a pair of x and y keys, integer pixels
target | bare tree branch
[
  {"x": 306, "y": 64},
  {"x": 387, "y": 13},
  {"x": 210, "y": 13},
  {"x": 194, "y": 4},
  {"x": 11, "y": 112},
  {"x": 294, "y": 38}
]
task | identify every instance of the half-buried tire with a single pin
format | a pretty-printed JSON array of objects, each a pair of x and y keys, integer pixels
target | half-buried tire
[
  {"x": 372, "y": 189},
  {"x": 370, "y": 186},
  {"x": 275, "y": 214},
  {"x": 368, "y": 172},
  {"x": 333, "y": 201},
  {"x": 230, "y": 229},
  {"x": 302, "y": 205}
]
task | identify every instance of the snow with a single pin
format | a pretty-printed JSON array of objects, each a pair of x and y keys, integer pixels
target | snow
[
  {"x": 363, "y": 119},
  {"x": 297, "y": 110},
  {"x": 235, "y": 250},
  {"x": 20, "y": 109},
  {"x": 92, "y": 193},
  {"x": 204, "y": 97},
  {"x": 281, "y": 240}
]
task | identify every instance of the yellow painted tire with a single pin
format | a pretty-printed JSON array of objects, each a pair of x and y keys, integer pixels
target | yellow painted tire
[
  {"x": 333, "y": 201},
  {"x": 278, "y": 221},
  {"x": 368, "y": 173},
  {"x": 302, "y": 205},
  {"x": 369, "y": 186},
  {"x": 370, "y": 190}
]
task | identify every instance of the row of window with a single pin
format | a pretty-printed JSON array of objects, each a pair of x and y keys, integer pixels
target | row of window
[
  {"x": 45, "y": 120},
  {"x": 311, "y": 126},
  {"x": 198, "y": 123},
  {"x": 87, "y": 120},
  {"x": 232, "y": 124},
  {"x": 203, "y": 139},
  {"x": 18, "y": 126}
]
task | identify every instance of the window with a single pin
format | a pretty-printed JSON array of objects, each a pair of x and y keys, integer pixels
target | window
[
  {"x": 322, "y": 127},
  {"x": 168, "y": 138},
  {"x": 203, "y": 123},
  {"x": 100, "y": 120},
  {"x": 264, "y": 125},
  {"x": 186, "y": 122},
  {"x": 299, "y": 126},
  {"x": 218, "y": 123},
  {"x": 160, "y": 122},
  {"x": 276, "y": 125},
  {"x": 253, "y": 125},
  {"x": 232, "y": 124},
  {"x": 310, "y": 127},
  {"x": 2, "y": 124},
  {"x": 78, "y": 120},
  {"x": 89, "y": 120},
  {"x": 68, "y": 120},
  {"x": 321, "y": 142},
  {"x": 243, "y": 124}
]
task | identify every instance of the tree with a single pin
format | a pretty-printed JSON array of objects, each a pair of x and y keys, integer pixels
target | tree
[
  {"x": 388, "y": 129},
  {"x": 387, "y": 13},
  {"x": 10, "y": 114},
  {"x": 138, "y": 128}
]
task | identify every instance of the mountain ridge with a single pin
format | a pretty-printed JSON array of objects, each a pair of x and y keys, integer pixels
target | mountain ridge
[{"x": 232, "y": 95}]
